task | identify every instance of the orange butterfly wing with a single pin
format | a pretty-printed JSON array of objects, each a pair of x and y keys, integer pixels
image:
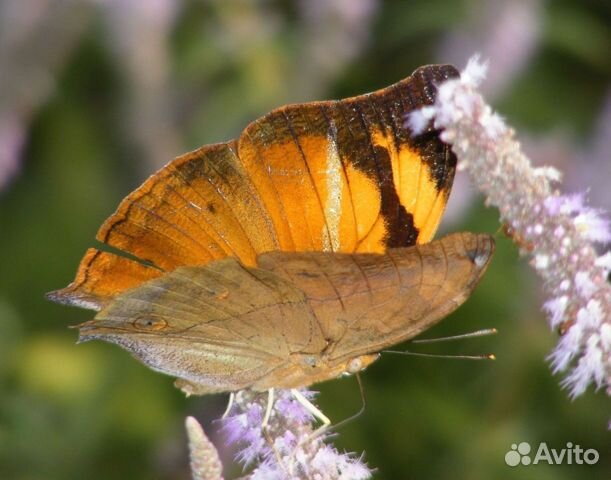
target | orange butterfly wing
[
  {"x": 341, "y": 176},
  {"x": 101, "y": 276}
]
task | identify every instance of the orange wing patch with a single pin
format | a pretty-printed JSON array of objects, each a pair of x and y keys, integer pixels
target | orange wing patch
[
  {"x": 191, "y": 212},
  {"x": 416, "y": 187},
  {"x": 92, "y": 287},
  {"x": 282, "y": 170},
  {"x": 342, "y": 176}
]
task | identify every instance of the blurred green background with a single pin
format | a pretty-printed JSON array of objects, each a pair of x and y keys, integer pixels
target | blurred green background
[{"x": 96, "y": 95}]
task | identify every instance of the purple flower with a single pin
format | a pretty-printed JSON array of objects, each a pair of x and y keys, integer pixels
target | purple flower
[
  {"x": 244, "y": 429},
  {"x": 556, "y": 230},
  {"x": 289, "y": 446},
  {"x": 556, "y": 308}
]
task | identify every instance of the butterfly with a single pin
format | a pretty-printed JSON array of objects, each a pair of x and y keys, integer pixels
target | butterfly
[{"x": 290, "y": 255}]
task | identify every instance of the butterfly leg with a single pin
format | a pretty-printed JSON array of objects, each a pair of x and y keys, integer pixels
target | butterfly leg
[
  {"x": 310, "y": 407},
  {"x": 270, "y": 441},
  {"x": 268, "y": 409},
  {"x": 229, "y": 405}
]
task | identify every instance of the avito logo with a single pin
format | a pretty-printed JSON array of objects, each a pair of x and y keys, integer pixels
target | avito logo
[{"x": 571, "y": 454}]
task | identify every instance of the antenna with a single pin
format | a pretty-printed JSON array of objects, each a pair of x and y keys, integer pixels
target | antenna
[
  {"x": 462, "y": 336},
  {"x": 478, "y": 333},
  {"x": 488, "y": 356}
]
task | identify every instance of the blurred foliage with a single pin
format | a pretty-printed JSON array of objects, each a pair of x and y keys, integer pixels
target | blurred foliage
[{"x": 90, "y": 411}]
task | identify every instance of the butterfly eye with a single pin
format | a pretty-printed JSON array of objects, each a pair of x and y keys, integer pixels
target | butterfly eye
[
  {"x": 355, "y": 365},
  {"x": 149, "y": 323}
]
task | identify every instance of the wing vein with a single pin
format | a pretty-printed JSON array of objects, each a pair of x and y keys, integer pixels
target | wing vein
[{"x": 295, "y": 139}]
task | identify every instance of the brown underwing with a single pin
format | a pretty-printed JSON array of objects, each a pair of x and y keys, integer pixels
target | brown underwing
[{"x": 295, "y": 319}]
